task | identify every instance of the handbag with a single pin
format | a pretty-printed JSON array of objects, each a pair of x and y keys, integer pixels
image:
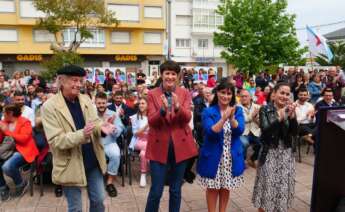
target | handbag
[{"x": 7, "y": 148}]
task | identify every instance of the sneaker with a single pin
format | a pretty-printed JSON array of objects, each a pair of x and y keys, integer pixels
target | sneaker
[
  {"x": 58, "y": 191},
  {"x": 21, "y": 189},
  {"x": 142, "y": 180},
  {"x": 112, "y": 192},
  {"x": 5, "y": 194}
]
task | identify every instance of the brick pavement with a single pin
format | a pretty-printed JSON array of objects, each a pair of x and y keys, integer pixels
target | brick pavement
[{"x": 133, "y": 198}]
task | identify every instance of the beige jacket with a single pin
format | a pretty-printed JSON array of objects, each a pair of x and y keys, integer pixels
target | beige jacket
[
  {"x": 252, "y": 124},
  {"x": 66, "y": 142}
]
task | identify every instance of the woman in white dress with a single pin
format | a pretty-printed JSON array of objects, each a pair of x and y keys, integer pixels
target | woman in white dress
[{"x": 221, "y": 162}]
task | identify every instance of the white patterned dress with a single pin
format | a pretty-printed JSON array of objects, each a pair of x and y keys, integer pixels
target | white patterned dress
[
  {"x": 274, "y": 186},
  {"x": 224, "y": 178}
]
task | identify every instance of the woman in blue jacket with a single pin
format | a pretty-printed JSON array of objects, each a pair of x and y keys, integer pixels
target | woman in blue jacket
[{"x": 221, "y": 161}]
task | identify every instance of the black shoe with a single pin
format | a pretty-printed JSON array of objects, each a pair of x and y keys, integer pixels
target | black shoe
[
  {"x": 21, "y": 189},
  {"x": 189, "y": 177},
  {"x": 5, "y": 194},
  {"x": 58, "y": 191},
  {"x": 112, "y": 192}
]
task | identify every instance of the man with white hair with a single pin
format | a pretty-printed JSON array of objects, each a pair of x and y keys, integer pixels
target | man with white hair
[
  {"x": 252, "y": 130},
  {"x": 73, "y": 130}
]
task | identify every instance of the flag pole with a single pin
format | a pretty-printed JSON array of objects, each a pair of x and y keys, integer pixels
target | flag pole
[{"x": 311, "y": 60}]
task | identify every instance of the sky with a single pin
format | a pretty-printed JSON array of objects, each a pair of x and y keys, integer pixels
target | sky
[{"x": 317, "y": 12}]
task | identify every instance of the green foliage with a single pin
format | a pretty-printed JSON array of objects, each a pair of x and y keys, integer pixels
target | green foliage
[
  {"x": 58, "y": 60},
  {"x": 338, "y": 49},
  {"x": 79, "y": 14},
  {"x": 257, "y": 34}
]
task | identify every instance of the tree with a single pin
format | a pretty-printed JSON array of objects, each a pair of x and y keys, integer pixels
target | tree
[
  {"x": 257, "y": 34},
  {"x": 338, "y": 49},
  {"x": 81, "y": 15}
]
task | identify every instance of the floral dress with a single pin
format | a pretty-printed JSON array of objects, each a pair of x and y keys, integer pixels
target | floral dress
[
  {"x": 274, "y": 186},
  {"x": 224, "y": 178}
]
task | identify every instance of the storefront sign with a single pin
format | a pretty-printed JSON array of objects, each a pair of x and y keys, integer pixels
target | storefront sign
[
  {"x": 29, "y": 57},
  {"x": 126, "y": 58}
]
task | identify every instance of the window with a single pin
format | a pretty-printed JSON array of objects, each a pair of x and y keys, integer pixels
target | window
[
  {"x": 98, "y": 40},
  {"x": 28, "y": 10},
  {"x": 182, "y": 43},
  {"x": 153, "y": 12},
  {"x": 43, "y": 36},
  {"x": 219, "y": 20},
  {"x": 203, "y": 43},
  {"x": 206, "y": 18},
  {"x": 183, "y": 20},
  {"x": 8, "y": 35},
  {"x": 125, "y": 12},
  {"x": 120, "y": 37},
  {"x": 152, "y": 37},
  {"x": 7, "y": 6}
]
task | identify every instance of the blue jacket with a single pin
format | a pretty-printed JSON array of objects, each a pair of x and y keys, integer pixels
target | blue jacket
[
  {"x": 211, "y": 151},
  {"x": 314, "y": 91}
]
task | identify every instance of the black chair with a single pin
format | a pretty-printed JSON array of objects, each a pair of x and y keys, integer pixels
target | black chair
[
  {"x": 131, "y": 154},
  {"x": 31, "y": 168},
  {"x": 122, "y": 143}
]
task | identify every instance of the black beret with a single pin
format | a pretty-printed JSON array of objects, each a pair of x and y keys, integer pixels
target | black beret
[{"x": 72, "y": 70}]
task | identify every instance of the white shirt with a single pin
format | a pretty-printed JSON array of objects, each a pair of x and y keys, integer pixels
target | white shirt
[
  {"x": 251, "y": 125},
  {"x": 35, "y": 103},
  {"x": 29, "y": 114},
  {"x": 137, "y": 124},
  {"x": 302, "y": 112}
]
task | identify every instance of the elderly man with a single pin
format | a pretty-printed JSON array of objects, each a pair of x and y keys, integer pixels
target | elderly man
[
  {"x": 252, "y": 131},
  {"x": 73, "y": 130}
]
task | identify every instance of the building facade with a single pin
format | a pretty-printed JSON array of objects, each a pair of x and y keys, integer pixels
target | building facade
[
  {"x": 336, "y": 36},
  {"x": 136, "y": 43},
  {"x": 193, "y": 24}
]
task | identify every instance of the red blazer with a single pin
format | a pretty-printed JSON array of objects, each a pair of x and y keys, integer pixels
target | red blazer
[
  {"x": 172, "y": 125},
  {"x": 25, "y": 143}
]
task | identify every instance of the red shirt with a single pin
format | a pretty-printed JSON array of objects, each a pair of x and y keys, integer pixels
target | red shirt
[{"x": 22, "y": 134}]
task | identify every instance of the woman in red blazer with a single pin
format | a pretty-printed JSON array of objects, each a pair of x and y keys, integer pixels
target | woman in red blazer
[
  {"x": 170, "y": 139},
  {"x": 18, "y": 128}
]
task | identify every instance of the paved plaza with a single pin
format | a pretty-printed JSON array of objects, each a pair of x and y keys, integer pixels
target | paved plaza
[{"x": 133, "y": 198}]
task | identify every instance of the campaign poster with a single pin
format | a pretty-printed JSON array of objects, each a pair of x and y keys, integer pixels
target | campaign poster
[
  {"x": 99, "y": 75},
  {"x": 153, "y": 74},
  {"x": 89, "y": 74},
  {"x": 120, "y": 74},
  {"x": 201, "y": 72},
  {"x": 131, "y": 79}
]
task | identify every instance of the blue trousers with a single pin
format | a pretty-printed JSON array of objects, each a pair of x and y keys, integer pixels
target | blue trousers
[
  {"x": 159, "y": 172},
  {"x": 248, "y": 140},
  {"x": 112, "y": 151},
  {"x": 95, "y": 190},
  {"x": 10, "y": 167}
]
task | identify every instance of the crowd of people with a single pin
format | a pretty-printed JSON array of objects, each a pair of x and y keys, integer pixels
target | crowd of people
[{"x": 171, "y": 124}]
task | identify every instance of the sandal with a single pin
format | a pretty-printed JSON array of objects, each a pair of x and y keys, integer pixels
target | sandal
[{"x": 112, "y": 192}]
